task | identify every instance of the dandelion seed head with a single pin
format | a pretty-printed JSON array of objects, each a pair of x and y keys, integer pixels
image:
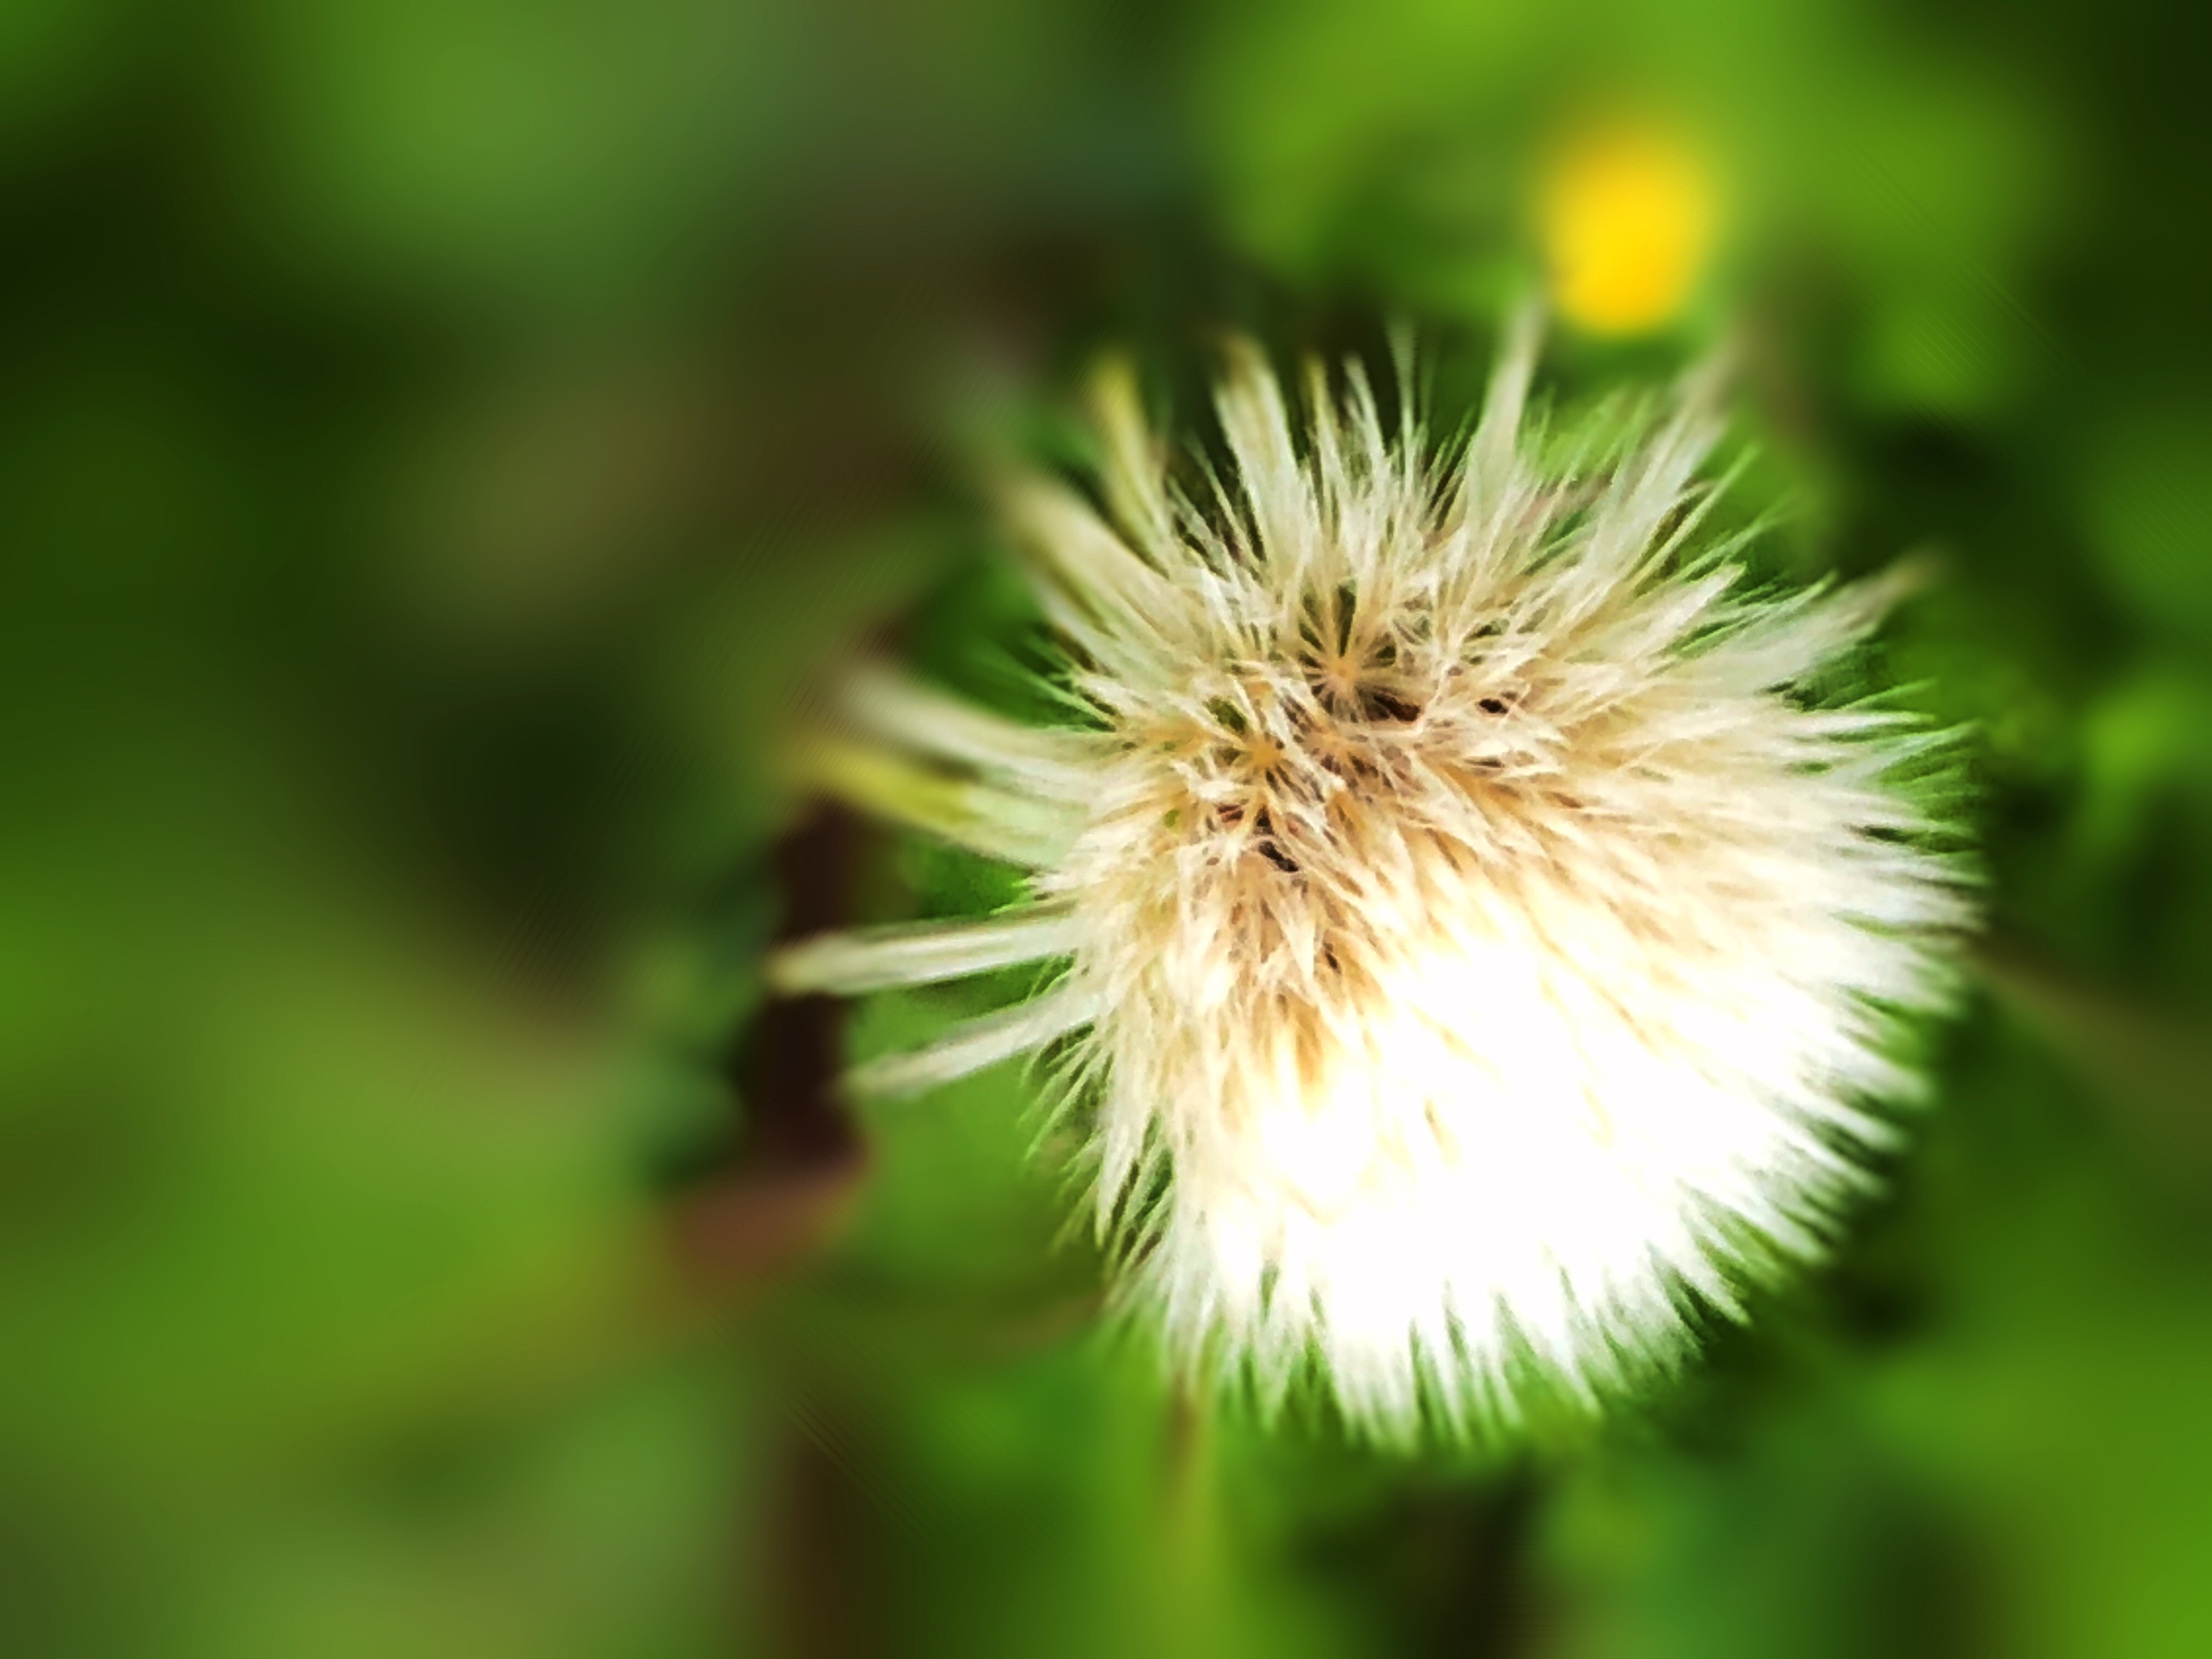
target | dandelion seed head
[{"x": 1481, "y": 953}]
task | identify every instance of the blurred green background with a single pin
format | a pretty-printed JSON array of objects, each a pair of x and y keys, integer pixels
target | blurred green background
[{"x": 440, "y": 444}]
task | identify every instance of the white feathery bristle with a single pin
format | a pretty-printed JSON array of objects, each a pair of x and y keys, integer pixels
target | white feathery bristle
[{"x": 1492, "y": 953}]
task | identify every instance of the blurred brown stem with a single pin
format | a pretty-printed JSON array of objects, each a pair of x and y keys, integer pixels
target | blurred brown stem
[{"x": 802, "y": 1159}]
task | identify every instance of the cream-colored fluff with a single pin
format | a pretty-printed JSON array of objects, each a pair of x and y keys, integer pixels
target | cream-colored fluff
[{"x": 1479, "y": 954}]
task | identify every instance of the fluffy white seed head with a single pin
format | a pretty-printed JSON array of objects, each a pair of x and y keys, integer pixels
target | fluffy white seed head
[{"x": 1480, "y": 952}]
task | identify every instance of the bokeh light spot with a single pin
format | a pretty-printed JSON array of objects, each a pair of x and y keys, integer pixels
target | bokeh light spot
[{"x": 1627, "y": 215}]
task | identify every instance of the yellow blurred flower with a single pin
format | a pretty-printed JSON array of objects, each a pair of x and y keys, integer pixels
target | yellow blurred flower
[{"x": 1627, "y": 215}]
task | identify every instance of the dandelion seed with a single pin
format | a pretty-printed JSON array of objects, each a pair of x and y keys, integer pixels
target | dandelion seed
[{"x": 1479, "y": 953}]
